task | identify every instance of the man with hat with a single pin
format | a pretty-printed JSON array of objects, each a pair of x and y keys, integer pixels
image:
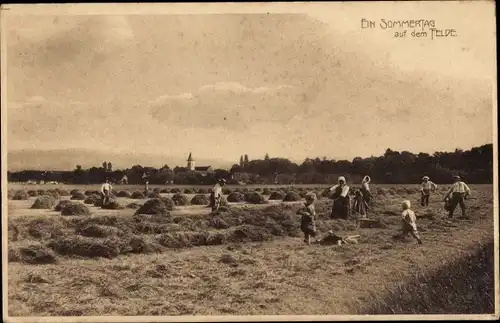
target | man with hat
[
  {"x": 427, "y": 187},
  {"x": 459, "y": 192},
  {"x": 216, "y": 195}
]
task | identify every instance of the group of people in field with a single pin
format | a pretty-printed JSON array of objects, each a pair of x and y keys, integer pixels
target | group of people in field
[
  {"x": 343, "y": 207},
  {"x": 347, "y": 203}
]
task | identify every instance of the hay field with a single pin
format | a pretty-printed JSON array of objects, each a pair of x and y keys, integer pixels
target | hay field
[{"x": 247, "y": 259}]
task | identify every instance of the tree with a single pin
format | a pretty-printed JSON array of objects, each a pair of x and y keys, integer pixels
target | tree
[
  {"x": 110, "y": 167},
  {"x": 105, "y": 165},
  {"x": 266, "y": 157},
  {"x": 241, "y": 161},
  {"x": 246, "y": 160}
]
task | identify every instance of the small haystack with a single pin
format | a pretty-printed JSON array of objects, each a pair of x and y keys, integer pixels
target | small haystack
[
  {"x": 44, "y": 202},
  {"x": 133, "y": 205},
  {"x": 254, "y": 198},
  {"x": 35, "y": 254},
  {"x": 112, "y": 205},
  {"x": 180, "y": 199},
  {"x": 92, "y": 199},
  {"x": 75, "y": 209},
  {"x": 153, "y": 206},
  {"x": 277, "y": 195},
  {"x": 99, "y": 231},
  {"x": 200, "y": 199},
  {"x": 32, "y": 193},
  {"x": 236, "y": 197},
  {"x": 189, "y": 191},
  {"x": 292, "y": 197},
  {"x": 137, "y": 195},
  {"x": 79, "y": 196},
  {"x": 154, "y": 195},
  {"x": 20, "y": 195},
  {"x": 124, "y": 194}
]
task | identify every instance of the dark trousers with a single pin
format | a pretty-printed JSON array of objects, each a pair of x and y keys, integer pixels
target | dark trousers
[
  {"x": 105, "y": 197},
  {"x": 424, "y": 200},
  {"x": 457, "y": 199}
]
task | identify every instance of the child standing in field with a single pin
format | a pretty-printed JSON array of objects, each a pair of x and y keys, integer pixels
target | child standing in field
[
  {"x": 409, "y": 222},
  {"x": 307, "y": 222}
]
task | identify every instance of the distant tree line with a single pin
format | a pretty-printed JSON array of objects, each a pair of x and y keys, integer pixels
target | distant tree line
[{"x": 475, "y": 166}]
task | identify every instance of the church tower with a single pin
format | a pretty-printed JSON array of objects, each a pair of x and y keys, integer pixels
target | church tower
[{"x": 190, "y": 162}]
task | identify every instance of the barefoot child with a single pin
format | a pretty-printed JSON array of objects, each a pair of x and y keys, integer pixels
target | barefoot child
[
  {"x": 308, "y": 223},
  {"x": 409, "y": 221}
]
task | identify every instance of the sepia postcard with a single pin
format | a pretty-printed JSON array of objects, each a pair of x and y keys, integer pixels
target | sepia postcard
[{"x": 287, "y": 161}]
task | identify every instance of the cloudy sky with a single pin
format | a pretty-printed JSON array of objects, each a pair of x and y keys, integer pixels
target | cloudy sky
[{"x": 292, "y": 81}]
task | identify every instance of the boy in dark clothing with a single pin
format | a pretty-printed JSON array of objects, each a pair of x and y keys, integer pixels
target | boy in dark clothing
[{"x": 308, "y": 223}]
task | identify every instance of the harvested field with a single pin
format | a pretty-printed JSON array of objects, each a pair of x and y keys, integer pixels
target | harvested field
[{"x": 157, "y": 258}]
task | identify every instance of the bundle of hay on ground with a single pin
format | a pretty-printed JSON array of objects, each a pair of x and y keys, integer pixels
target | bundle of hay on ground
[
  {"x": 200, "y": 199},
  {"x": 133, "y": 205},
  {"x": 79, "y": 196},
  {"x": 236, "y": 197},
  {"x": 139, "y": 244},
  {"x": 73, "y": 191},
  {"x": 202, "y": 191},
  {"x": 254, "y": 198},
  {"x": 20, "y": 195},
  {"x": 277, "y": 195},
  {"x": 42, "y": 228},
  {"x": 175, "y": 191},
  {"x": 91, "y": 199},
  {"x": 169, "y": 203},
  {"x": 165, "y": 190},
  {"x": 124, "y": 194},
  {"x": 111, "y": 205},
  {"x": 75, "y": 209},
  {"x": 33, "y": 254},
  {"x": 188, "y": 191},
  {"x": 62, "y": 192},
  {"x": 62, "y": 204},
  {"x": 77, "y": 245},
  {"x": 41, "y": 192},
  {"x": 266, "y": 191},
  {"x": 292, "y": 197},
  {"x": 44, "y": 202},
  {"x": 154, "y": 195},
  {"x": 247, "y": 233},
  {"x": 180, "y": 199},
  {"x": 98, "y": 231},
  {"x": 137, "y": 195},
  {"x": 90, "y": 192},
  {"x": 226, "y": 191},
  {"x": 32, "y": 193},
  {"x": 154, "y": 207}
]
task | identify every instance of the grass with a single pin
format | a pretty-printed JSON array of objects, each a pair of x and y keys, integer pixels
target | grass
[{"x": 247, "y": 260}]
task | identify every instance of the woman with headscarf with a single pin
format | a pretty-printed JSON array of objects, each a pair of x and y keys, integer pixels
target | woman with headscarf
[
  {"x": 341, "y": 200},
  {"x": 365, "y": 190}
]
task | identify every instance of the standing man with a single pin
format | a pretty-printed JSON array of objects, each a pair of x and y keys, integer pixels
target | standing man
[
  {"x": 216, "y": 196},
  {"x": 425, "y": 190},
  {"x": 146, "y": 184},
  {"x": 105, "y": 192},
  {"x": 459, "y": 192}
]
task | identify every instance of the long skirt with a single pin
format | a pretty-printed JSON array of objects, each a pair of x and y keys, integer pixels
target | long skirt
[{"x": 341, "y": 208}]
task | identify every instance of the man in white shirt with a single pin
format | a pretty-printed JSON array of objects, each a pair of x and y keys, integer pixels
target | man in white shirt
[
  {"x": 105, "y": 191},
  {"x": 427, "y": 187},
  {"x": 216, "y": 196},
  {"x": 459, "y": 192}
]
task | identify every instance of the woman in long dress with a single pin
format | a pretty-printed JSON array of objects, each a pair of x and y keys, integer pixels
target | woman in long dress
[{"x": 341, "y": 200}]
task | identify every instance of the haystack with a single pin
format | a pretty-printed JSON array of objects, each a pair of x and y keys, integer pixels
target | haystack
[
  {"x": 124, "y": 194},
  {"x": 75, "y": 209},
  {"x": 133, "y": 206},
  {"x": 90, "y": 192},
  {"x": 169, "y": 203},
  {"x": 139, "y": 244},
  {"x": 35, "y": 254},
  {"x": 277, "y": 195},
  {"x": 44, "y": 202},
  {"x": 41, "y": 192},
  {"x": 292, "y": 197},
  {"x": 154, "y": 195},
  {"x": 266, "y": 191},
  {"x": 45, "y": 228},
  {"x": 79, "y": 196},
  {"x": 111, "y": 205},
  {"x": 248, "y": 233},
  {"x": 62, "y": 192},
  {"x": 99, "y": 231},
  {"x": 202, "y": 191},
  {"x": 235, "y": 197},
  {"x": 200, "y": 199},
  {"x": 20, "y": 195},
  {"x": 137, "y": 195},
  {"x": 153, "y": 206},
  {"x": 175, "y": 191},
  {"x": 73, "y": 191},
  {"x": 254, "y": 198},
  {"x": 91, "y": 199},
  {"x": 188, "y": 191},
  {"x": 62, "y": 204},
  {"x": 77, "y": 245},
  {"x": 218, "y": 223},
  {"x": 180, "y": 199},
  {"x": 32, "y": 193},
  {"x": 165, "y": 190}
]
